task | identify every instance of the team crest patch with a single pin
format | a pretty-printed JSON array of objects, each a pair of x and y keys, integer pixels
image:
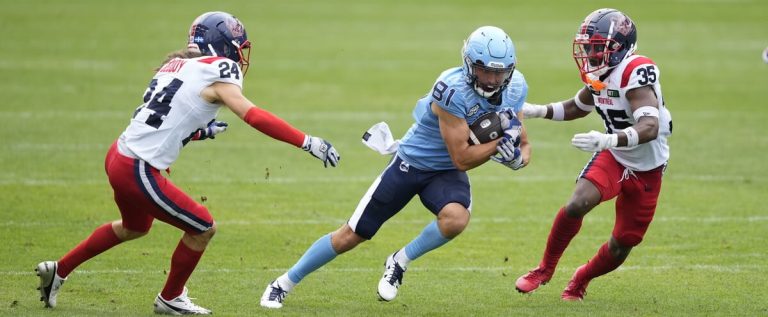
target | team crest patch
[
  {"x": 473, "y": 110},
  {"x": 613, "y": 93}
]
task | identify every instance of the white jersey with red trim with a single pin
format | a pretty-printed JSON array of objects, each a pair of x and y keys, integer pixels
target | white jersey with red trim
[
  {"x": 173, "y": 109},
  {"x": 614, "y": 108}
]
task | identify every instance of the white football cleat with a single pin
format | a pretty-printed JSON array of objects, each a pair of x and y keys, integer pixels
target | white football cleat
[
  {"x": 50, "y": 282},
  {"x": 391, "y": 280},
  {"x": 181, "y": 305},
  {"x": 273, "y": 296}
]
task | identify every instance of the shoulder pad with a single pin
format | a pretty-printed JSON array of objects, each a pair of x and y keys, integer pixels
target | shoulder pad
[
  {"x": 220, "y": 69},
  {"x": 640, "y": 71}
]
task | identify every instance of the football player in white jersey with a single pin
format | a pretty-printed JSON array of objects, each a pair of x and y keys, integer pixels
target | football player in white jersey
[
  {"x": 629, "y": 158},
  {"x": 180, "y": 105},
  {"x": 431, "y": 162}
]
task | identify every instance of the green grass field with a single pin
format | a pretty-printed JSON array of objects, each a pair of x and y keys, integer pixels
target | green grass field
[{"x": 75, "y": 70}]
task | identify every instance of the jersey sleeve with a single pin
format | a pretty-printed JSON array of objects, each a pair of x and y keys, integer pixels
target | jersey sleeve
[
  {"x": 221, "y": 69},
  {"x": 516, "y": 92},
  {"x": 641, "y": 71},
  {"x": 449, "y": 97}
]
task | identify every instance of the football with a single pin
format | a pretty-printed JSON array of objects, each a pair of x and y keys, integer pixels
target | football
[{"x": 485, "y": 129}]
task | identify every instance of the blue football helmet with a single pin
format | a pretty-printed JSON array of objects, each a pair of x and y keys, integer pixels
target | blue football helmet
[
  {"x": 604, "y": 39},
  {"x": 488, "y": 49},
  {"x": 220, "y": 34}
]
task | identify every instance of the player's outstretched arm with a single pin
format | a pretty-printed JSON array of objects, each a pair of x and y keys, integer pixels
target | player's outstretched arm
[
  {"x": 567, "y": 110},
  {"x": 270, "y": 124},
  {"x": 644, "y": 105},
  {"x": 455, "y": 132}
]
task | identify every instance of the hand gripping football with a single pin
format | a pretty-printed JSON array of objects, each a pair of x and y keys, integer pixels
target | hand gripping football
[{"x": 485, "y": 129}]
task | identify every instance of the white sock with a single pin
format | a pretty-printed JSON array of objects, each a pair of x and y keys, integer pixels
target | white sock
[
  {"x": 402, "y": 258},
  {"x": 285, "y": 282}
]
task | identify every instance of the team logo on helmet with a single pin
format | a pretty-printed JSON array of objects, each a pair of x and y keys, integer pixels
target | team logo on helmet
[
  {"x": 220, "y": 34},
  {"x": 622, "y": 25},
  {"x": 236, "y": 28}
]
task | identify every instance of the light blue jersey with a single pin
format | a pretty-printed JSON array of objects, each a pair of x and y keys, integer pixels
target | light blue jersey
[{"x": 423, "y": 145}]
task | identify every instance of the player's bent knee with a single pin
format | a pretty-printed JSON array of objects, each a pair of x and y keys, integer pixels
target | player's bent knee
[
  {"x": 130, "y": 235},
  {"x": 208, "y": 234},
  {"x": 578, "y": 207},
  {"x": 125, "y": 234},
  {"x": 629, "y": 239},
  {"x": 452, "y": 222},
  {"x": 344, "y": 239}
]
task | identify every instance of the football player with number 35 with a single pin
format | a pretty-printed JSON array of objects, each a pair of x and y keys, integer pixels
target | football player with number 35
[
  {"x": 629, "y": 158},
  {"x": 431, "y": 161},
  {"x": 180, "y": 105}
]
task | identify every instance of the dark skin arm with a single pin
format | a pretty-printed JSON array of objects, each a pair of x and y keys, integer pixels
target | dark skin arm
[
  {"x": 647, "y": 127},
  {"x": 571, "y": 110}
]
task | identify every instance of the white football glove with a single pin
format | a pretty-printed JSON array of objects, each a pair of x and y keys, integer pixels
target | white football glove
[
  {"x": 321, "y": 149},
  {"x": 594, "y": 141},
  {"x": 508, "y": 154},
  {"x": 534, "y": 111},
  {"x": 210, "y": 132}
]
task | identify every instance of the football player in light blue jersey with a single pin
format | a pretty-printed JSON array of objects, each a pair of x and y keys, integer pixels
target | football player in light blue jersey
[
  {"x": 457, "y": 93},
  {"x": 431, "y": 161}
]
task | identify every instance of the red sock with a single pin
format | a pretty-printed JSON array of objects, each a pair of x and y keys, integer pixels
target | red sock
[
  {"x": 102, "y": 239},
  {"x": 602, "y": 263},
  {"x": 183, "y": 262},
  {"x": 563, "y": 230}
]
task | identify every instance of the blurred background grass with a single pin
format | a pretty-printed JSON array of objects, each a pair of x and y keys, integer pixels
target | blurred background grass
[{"x": 74, "y": 71}]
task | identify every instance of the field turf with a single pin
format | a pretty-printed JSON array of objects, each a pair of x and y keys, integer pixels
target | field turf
[{"x": 73, "y": 72}]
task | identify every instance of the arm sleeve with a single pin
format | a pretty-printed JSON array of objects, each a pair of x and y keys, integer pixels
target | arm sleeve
[{"x": 273, "y": 126}]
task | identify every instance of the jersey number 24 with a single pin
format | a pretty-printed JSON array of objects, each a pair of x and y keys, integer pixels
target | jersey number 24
[{"x": 159, "y": 103}]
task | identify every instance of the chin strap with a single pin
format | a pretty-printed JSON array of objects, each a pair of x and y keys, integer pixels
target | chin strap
[{"x": 483, "y": 93}]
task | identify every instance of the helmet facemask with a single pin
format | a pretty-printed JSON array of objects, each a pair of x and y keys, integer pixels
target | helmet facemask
[
  {"x": 494, "y": 77},
  {"x": 244, "y": 53},
  {"x": 592, "y": 55}
]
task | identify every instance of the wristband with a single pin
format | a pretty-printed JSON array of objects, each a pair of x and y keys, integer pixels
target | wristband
[
  {"x": 632, "y": 137},
  {"x": 558, "y": 111},
  {"x": 534, "y": 111}
]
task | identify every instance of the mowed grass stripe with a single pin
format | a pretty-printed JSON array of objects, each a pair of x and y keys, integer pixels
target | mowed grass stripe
[
  {"x": 736, "y": 268},
  {"x": 761, "y": 218}
]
